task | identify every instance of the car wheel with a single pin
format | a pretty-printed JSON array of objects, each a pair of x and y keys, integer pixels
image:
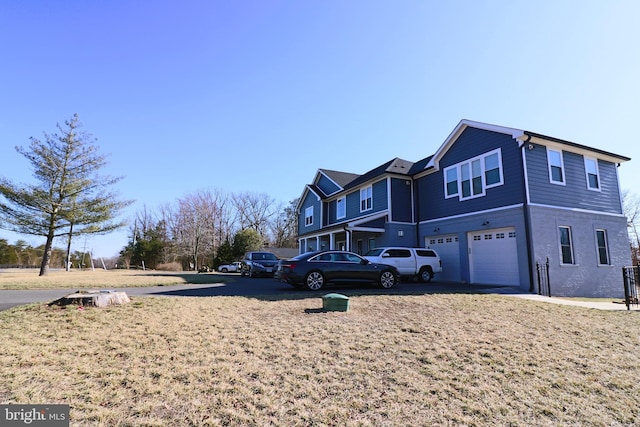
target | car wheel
[
  {"x": 251, "y": 273},
  {"x": 314, "y": 280},
  {"x": 387, "y": 279},
  {"x": 224, "y": 270},
  {"x": 425, "y": 275}
]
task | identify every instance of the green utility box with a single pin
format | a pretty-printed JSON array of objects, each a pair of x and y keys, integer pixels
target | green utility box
[{"x": 335, "y": 302}]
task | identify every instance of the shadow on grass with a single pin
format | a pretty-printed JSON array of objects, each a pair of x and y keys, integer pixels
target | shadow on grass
[{"x": 272, "y": 290}]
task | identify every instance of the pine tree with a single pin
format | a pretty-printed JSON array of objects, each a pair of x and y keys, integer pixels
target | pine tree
[{"x": 70, "y": 197}]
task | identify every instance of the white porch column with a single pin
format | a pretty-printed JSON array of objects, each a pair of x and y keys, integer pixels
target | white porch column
[
  {"x": 332, "y": 240},
  {"x": 318, "y": 243}
]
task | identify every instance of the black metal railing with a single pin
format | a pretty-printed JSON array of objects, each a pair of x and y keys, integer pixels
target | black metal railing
[
  {"x": 631, "y": 277},
  {"x": 544, "y": 284}
]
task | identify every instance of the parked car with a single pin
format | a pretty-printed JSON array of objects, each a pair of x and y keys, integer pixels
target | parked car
[
  {"x": 234, "y": 267},
  {"x": 410, "y": 262},
  {"x": 257, "y": 263},
  {"x": 314, "y": 269}
]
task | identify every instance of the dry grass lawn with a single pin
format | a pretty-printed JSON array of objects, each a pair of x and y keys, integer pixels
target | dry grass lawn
[
  {"x": 60, "y": 279},
  {"x": 430, "y": 360}
]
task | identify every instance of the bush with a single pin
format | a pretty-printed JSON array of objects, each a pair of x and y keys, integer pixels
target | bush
[{"x": 170, "y": 266}]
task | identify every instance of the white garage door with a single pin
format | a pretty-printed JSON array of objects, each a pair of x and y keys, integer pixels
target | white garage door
[
  {"x": 493, "y": 257},
  {"x": 448, "y": 248}
]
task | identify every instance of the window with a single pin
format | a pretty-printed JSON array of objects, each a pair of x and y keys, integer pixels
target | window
[
  {"x": 556, "y": 166},
  {"x": 472, "y": 177},
  {"x": 603, "y": 250},
  {"x": 593, "y": 177},
  {"x": 492, "y": 170},
  {"x": 308, "y": 216},
  {"x": 451, "y": 176},
  {"x": 341, "y": 208},
  {"x": 366, "y": 199},
  {"x": 372, "y": 243},
  {"x": 566, "y": 250}
]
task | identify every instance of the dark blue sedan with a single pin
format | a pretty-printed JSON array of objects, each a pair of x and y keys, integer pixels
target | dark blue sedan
[{"x": 314, "y": 269}]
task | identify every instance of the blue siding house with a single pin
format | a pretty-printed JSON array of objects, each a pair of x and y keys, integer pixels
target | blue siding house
[{"x": 495, "y": 202}]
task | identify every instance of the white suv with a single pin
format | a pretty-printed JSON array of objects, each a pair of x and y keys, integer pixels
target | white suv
[{"x": 410, "y": 262}]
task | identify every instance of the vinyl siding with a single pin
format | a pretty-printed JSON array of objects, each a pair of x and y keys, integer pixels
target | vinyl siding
[
  {"x": 574, "y": 194},
  {"x": 473, "y": 142},
  {"x": 326, "y": 185},
  {"x": 310, "y": 200},
  {"x": 401, "y": 206}
]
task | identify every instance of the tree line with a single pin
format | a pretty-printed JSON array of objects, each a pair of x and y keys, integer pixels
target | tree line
[{"x": 207, "y": 228}]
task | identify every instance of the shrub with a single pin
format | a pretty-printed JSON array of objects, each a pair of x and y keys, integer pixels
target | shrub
[{"x": 170, "y": 266}]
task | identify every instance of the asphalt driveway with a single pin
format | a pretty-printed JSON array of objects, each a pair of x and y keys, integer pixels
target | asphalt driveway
[{"x": 271, "y": 289}]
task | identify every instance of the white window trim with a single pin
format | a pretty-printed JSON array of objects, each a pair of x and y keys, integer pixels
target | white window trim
[
  {"x": 458, "y": 167},
  {"x": 551, "y": 180},
  {"x": 606, "y": 247},
  {"x": 573, "y": 254},
  {"x": 446, "y": 190},
  {"x": 586, "y": 173},
  {"x": 366, "y": 191},
  {"x": 344, "y": 204},
  {"x": 308, "y": 214}
]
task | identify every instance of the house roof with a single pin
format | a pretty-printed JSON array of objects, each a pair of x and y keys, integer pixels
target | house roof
[
  {"x": 395, "y": 166},
  {"x": 340, "y": 178},
  {"x": 399, "y": 166},
  {"x": 607, "y": 155}
]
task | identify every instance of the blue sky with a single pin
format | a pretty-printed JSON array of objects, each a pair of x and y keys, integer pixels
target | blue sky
[{"x": 257, "y": 95}]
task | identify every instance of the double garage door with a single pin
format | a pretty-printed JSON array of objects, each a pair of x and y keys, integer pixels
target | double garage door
[{"x": 493, "y": 256}]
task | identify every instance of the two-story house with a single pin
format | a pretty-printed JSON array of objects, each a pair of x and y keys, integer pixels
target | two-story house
[{"x": 493, "y": 201}]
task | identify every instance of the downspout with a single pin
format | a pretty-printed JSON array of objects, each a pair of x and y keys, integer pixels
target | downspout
[
  {"x": 415, "y": 196},
  {"x": 527, "y": 218}
]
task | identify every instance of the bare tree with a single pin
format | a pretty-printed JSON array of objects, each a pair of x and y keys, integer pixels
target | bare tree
[
  {"x": 631, "y": 209},
  {"x": 192, "y": 223},
  {"x": 284, "y": 226},
  {"x": 254, "y": 210}
]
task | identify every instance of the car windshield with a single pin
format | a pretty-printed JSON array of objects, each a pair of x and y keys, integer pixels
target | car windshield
[{"x": 374, "y": 252}]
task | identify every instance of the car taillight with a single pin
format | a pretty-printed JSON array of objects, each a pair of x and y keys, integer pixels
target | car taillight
[{"x": 289, "y": 265}]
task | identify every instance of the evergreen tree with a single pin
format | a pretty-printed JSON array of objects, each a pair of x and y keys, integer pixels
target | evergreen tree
[{"x": 70, "y": 197}]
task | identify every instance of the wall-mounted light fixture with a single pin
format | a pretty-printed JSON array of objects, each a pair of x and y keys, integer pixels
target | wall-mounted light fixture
[
  {"x": 435, "y": 230},
  {"x": 530, "y": 147},
  {"x": 400, "y": 233},
  {"x": 486, "y": 222}
]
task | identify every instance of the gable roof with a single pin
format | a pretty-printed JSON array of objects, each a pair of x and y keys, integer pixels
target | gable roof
[
  {"x": 457, "y": 131},
  {"x": 395, "y": 166},
  {"x": 339, "y": 178},
  {"x": 522, "y": 136}
]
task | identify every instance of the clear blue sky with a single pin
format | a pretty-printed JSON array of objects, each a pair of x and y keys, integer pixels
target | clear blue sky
[{"x": 257, "y": 95}]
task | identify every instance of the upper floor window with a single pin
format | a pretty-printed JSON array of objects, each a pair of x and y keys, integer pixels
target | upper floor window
[
  {"x": 451, "y": 181},
  {"x": 472, "y": 177},
  {"x": 593, "y": 176},
  {"x": 341, "y": 207},
  {"x": 308, "y": 216},
  {"x": 366, "y": 199},
  {"x": 556, "y": 166}
]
